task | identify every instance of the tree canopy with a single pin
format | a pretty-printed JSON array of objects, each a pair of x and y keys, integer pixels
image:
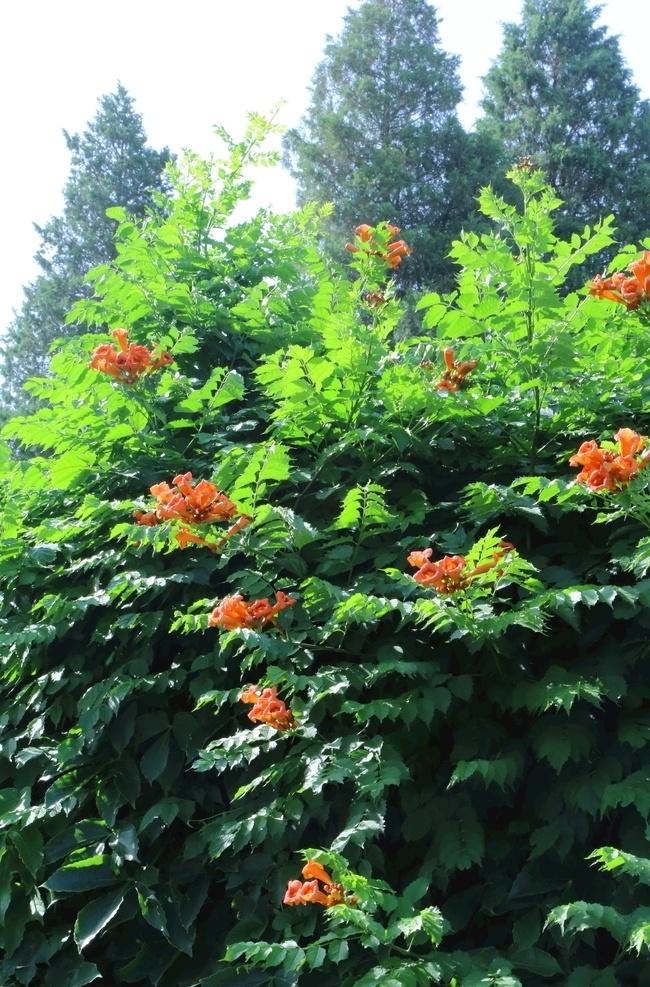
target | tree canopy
[
  {"x": 381, "y": 138},
  {"x": 560, "y": 92},
  {"x": 111, "y": 165}
]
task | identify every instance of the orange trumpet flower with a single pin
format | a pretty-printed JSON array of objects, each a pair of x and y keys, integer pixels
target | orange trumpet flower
[
  {"x": 628, "y": 291},
  {"x": 308, "y": 892},
  {"x": 450, "y": 573},
  {"x": 232, "y": 613},
  {"x": 129, "y": 361},
  {"x": 373, "y": 245},
  {"x": 454, "y": 376},
  {"x": 267, "y": 708},
  {"x": 604, "y": 469}
]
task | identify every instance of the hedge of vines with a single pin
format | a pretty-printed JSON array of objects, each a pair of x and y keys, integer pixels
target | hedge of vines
[{"x": 321, "y": 662}]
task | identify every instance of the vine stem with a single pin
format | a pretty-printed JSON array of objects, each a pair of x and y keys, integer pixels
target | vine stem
[{"x": 530, "y": 334}]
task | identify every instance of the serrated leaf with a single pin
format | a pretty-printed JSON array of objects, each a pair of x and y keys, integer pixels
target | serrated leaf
[
  {"x": 29, "y": 844},
  {"x": 536, "y": 961},
  {"x": 82, "y": 875},
  {"x": 338, "y": 951},
  {"x": 96, "y": 915},
  {"x": 154, "y": 760}
]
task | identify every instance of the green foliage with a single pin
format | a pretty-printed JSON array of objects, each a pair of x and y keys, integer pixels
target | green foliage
[{"x": 457, "y": 755}]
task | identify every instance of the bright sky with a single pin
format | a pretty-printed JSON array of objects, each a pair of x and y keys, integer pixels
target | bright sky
[{"x": 190, "y": 65}]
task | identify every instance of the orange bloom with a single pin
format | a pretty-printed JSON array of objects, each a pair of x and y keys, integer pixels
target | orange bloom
[
  {"x": 524, "y": 163},
  {"x": 313, "y": 869},
  {"x": 129, "y": 362},
  {"x": 603, "y": 469},
  {"x": 641, "y": 271},
  {"x": 454, "y": 376},
  {"x": 185, "y": 537},
  {"x": 304, "y": 893},
  {"x": 390, "y": 253},
  {"x": 262, "y": 609},
  {"x": 197, "y": 504},
  {"x": 395, "y": 252},
  {"x": 446, "y": 575},
  {"x": 418, "y": 559},
  {"x": 364, "y": 232},
  {"x": 308, "y": 892},
  {"x": 336, "y": 895},
  {"x": 240, "y": 523},
  {"x": 147, "y": 518},
  {"x": 232, "y": 613},
  {"x": 450, "y": 574},
  {"x": 630, "y": 442},
  {"x": 628, "y": 291},
  {"x": 267, "y": 708}
]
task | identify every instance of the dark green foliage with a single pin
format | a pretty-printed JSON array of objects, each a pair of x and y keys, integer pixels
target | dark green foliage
[
  {"x": 560, "y": 92},
  {"x": 461, "y": 760},
  {"x": 111, "y": 165},
  {"x": 381, "y": 138}
]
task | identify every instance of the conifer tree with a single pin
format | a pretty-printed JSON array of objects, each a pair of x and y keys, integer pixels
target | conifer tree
[
  {"x": 381, "y": 138},
  {"x": 560, "y": 92},
  {"x": 111, "y": 165}
]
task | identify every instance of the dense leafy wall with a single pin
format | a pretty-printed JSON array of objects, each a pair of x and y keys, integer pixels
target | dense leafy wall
[{"x": 458, "y": 756}]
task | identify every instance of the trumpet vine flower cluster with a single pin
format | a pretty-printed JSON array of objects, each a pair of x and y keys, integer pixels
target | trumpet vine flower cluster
[
  {"x": 375, "y": 299},
  {"x": 199, "y": 503},
  {"x": 308, "y": 892},
  {"x": 450, "y": 574},
  {"x": 194, "y": 504},
  {"x": 129, "y": 361},
  {"x": 390, "y": 253},
  {"x": 267, "y": 708},
  {"x": 629, "y": 291},
  {"x": 454, "y": 376},
  {"x": 605, "y": 469},
  {"x": 233, "y": 613}
]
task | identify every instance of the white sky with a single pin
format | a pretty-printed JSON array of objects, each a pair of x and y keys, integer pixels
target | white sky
[{"x": 189, "y": 65}]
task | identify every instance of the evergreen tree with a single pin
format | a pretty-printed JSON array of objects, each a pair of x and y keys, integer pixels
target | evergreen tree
[
  {"x": 560, "y": 92},
  {"x": 381, "y": 138},
  {"x": 111, "y": 166}
]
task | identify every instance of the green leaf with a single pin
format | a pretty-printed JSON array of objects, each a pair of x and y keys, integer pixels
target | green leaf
[
  {"x": 586, "y": 976},
  {"x": 535, "y": 961},
  {"x": 580, "y": 915},
  {"x": 117, "y": 212},
  {"x": 416, "y": 890},
  {"x": 82, "y": 833},
  {"x": 153, "y": 912},
  {"x": 82, "y": 875},
  {"x": 66, "y": 469},
  {"x": 166, "y": 810},
  {"x": 95, "y": 916},
  {"x": 29, "y": 844},
  {"x": 526, "y": 930},
  {"x": 267, "y": 464},
  {"x": 500, "y": 770},
  {"x": 154, "y": 761},
  {"x": 71, "y": 971},
  {"x": 338, "y": 951},
  {"x": 7, "y": 870},
  {"x": 127, "y": 779}
]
